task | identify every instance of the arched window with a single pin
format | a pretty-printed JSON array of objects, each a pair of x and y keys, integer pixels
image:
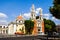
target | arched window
[{"x": 4, "y": 27}]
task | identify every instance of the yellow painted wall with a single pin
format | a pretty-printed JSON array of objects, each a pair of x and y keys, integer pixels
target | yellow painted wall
[{"x": 19, "y": 28}]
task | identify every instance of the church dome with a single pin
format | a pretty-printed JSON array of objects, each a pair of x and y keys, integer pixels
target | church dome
[{"x": 19, "y": 17}]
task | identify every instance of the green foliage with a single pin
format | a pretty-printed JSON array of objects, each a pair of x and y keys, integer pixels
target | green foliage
[
  {"x": 29, "y": 26},
  {"x": 55, "y": 9},
  {"x": 49, "y": 26}
]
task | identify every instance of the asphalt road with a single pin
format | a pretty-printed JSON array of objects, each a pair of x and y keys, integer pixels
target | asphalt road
[{"x": 25, "y": 37}]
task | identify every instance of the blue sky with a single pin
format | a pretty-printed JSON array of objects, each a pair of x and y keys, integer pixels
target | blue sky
[{"x": 10, "y": 9}]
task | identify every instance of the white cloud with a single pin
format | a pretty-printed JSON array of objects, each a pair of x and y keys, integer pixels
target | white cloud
[
  {"x": 37, "y": 10},
  {"x": 53, "y": 18},
  {"x": 3, "y": 22},
  {"x": 2, "y": 15},
  {"x": 50, "y": 17},
  {"x": 57, "y": 21},
  {"x": 3, "y": 19},
  {"x": 27, "y": 15},
  {"x": 46, "y": 16}
]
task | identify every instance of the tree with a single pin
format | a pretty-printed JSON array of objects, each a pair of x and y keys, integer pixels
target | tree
[
  {"x": 49, "y": 26},
  {"x": 55, "y": 9},
  {"x": 29, "y": 26}
]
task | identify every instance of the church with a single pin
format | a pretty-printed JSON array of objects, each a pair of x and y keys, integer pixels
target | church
[{"x": 18, "y": 27}]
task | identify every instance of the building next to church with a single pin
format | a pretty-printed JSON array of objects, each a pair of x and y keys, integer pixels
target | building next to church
[
  {"x": 18, "y": 27},
  {"x": 58, "y": 28},
  {"x": 3, "y": 29}
]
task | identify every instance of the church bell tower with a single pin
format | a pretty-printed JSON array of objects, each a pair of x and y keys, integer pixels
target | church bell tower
[
  {"x": 40, "y": 24},
  {"x": 33, "y": 15}
]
